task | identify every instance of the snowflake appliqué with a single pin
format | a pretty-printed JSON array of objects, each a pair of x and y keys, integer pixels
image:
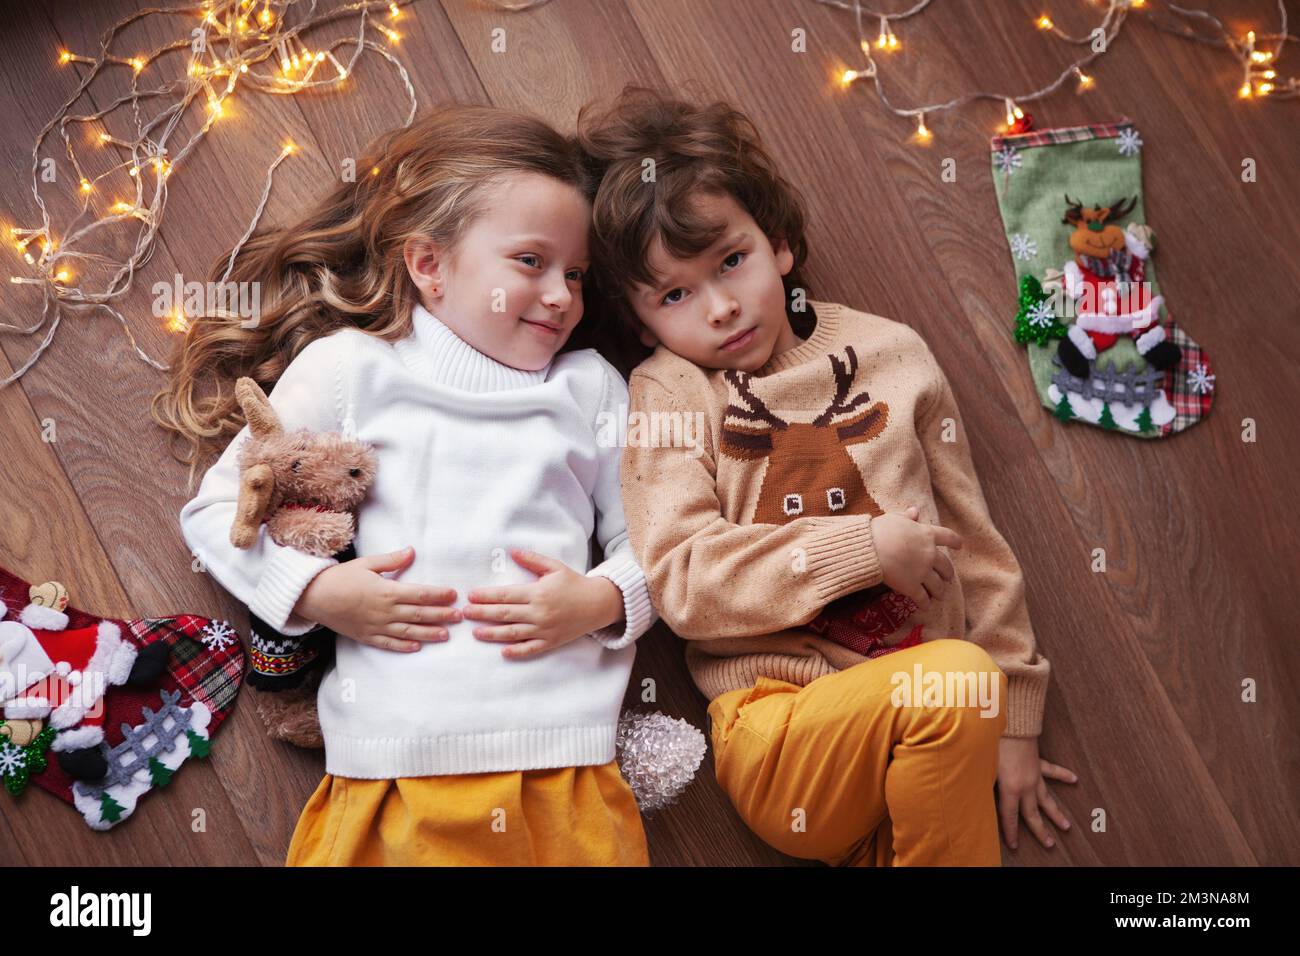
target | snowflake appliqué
[
  {"x": 1023, "y": 247},
  {"x": 1007, "y": 159},
  {"x": 1129, "y": 142},
  {"x": 1200, "y": 379},
  {"x": 218, "y": 635},
  {"x": 12, "y": 758},
  {"x": 1041, "y": 315}
]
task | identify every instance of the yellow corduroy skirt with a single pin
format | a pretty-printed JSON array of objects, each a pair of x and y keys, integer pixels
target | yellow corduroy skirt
[
  {"x": 836, "y": 771},
  {"x": 570, "y": 816}
]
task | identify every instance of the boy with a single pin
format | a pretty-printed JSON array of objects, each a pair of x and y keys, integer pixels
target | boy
[{"x": 803, "y": 550}]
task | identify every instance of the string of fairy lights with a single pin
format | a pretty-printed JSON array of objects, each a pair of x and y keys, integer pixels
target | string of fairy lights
[
  {"x": 232, "y": 45},
  {"x": 1259, "y": 78},
  {"x": 263, "y": 46}
]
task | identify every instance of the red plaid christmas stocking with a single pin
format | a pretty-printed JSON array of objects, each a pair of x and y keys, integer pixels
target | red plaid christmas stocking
[{"x": 120, "y": 704}]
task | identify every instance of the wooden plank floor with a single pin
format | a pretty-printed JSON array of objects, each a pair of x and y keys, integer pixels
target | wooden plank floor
[{"x": 1148, "y": 658}]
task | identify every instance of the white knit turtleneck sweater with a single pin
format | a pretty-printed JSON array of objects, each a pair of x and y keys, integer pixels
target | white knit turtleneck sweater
[{"x": 474, "y": 458}]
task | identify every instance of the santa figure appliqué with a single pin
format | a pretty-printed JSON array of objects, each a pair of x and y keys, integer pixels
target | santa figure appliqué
[
  {"x": 1106, "y": 278},
  {"x": 49, "y": 671}
]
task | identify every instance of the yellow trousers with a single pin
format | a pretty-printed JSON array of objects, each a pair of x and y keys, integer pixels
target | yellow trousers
[
  {"x": 837, "y": 771},
  {"x": 572, "y": 816}
]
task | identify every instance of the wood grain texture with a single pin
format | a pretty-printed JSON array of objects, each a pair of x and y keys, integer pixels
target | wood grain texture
[{"x": 1148, "y": 658}]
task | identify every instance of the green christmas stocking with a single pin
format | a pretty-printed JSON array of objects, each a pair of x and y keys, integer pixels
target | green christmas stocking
[{"x": 1103, "y": 348}]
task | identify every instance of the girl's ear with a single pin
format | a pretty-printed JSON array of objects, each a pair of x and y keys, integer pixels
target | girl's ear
[{"x": 427, "y": 264}]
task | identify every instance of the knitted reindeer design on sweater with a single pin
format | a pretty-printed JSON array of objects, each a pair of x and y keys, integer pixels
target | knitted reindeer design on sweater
[{"x": 810, "y": 473}]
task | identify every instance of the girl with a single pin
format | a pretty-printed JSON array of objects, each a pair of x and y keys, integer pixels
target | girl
[{"x": 425, "y": 310}]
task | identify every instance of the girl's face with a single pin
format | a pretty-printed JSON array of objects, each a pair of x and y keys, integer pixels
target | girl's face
[{"x": 512, "y": 286}]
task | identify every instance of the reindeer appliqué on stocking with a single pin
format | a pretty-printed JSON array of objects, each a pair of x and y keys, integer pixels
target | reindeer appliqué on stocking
[
  {"x": 1106, "y": 278},
  {"x": 810, "y": 473}
]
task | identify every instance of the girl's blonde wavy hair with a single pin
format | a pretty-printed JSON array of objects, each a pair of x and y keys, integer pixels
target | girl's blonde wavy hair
[{"x": 343, "y": 263}]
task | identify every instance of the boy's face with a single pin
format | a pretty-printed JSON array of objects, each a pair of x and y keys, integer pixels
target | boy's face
[{"x": 724, "y": 308}]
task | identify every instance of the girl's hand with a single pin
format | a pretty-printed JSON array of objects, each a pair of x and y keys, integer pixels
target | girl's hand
[
  {"x": 353, "y": 599},
  {"x": 909, "y": 555},
  {"x": 1022, "y": 789},
  {"x": 560, "y": 606}
]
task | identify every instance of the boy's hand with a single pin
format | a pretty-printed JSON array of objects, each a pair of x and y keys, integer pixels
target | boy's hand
[
  {"x": 561, "y": 606},
  {"x": 909, "y": 555},
  {"x": 1022, "y": 789},
  {"x": 353, "y": 599}
]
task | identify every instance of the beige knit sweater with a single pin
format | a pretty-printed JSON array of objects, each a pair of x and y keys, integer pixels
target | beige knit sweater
[{"x": 749, "y": 501}]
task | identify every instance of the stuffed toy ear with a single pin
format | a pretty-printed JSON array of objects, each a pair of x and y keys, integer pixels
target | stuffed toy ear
[
  {"x": 261, "y": 417},
  {"x": 256, "y": 486}
]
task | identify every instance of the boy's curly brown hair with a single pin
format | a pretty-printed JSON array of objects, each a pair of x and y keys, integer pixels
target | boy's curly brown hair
[{"x": 696, "y": 148}]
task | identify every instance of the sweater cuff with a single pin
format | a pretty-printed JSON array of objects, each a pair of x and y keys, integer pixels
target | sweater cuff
[
  {"x": 284, "y": 577},
  {"x": 1026, "y": 697},
  {"x": 842, "y": 557},
  {"x": 638, "y": 612}
]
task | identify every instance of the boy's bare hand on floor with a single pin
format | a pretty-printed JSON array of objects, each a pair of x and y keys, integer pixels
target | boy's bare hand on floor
[
  {"x": 1022, "y": 790},
  {"x": 353, "y": 599},
  {"x": 560, "y": 606},
  {"x": 910, "y": 555}
]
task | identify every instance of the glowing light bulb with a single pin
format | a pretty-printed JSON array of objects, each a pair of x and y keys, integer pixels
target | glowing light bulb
[
  {"x": 138, "y": 63},
  {"x": 65, "y": 57},
  {"x": 85, "y": 186},
  {"x": 1045, "y": 22},
  {"x": 922, "y": 131}
]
